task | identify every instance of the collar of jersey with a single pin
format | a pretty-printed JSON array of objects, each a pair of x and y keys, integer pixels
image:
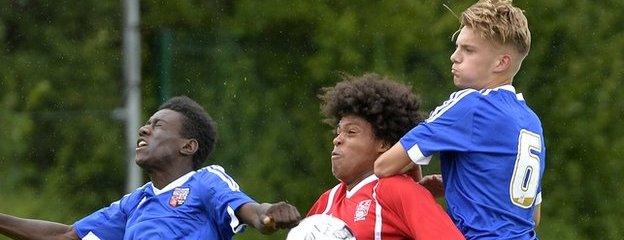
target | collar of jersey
[
  {"x": 511, "y": 89},
  {"x": 504, "y": 87},
  {"x": 176, "y": 183},
  {"x": 361, "y": 184},
  {"x": 507, "y": 87}
]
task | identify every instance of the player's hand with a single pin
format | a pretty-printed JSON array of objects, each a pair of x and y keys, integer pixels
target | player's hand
[
  {"x": 281, "y": 215},
  {"x": 434, "y": 184}
]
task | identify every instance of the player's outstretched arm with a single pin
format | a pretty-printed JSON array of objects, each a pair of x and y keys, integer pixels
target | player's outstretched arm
[
  {"x": 392, "y": 162},
  {"x": 20, "y": 228},
  {"x": 267, "y": 217}
]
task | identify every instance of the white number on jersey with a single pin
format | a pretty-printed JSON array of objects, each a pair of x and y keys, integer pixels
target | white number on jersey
[{"x": 523, "y": 186}]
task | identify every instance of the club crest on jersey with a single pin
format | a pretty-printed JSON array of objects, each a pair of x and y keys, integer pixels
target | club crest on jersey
[
  {"x": 362, "y": 210},
  {"x": 179, "y": 196}
]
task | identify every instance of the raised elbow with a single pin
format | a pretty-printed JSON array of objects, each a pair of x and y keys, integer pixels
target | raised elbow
[{"x": 380, "y": 170}]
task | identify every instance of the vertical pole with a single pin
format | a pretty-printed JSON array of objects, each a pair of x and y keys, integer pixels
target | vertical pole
[
  {"x": 164, "y": 64},
  {"x": 132, "y": 77}
]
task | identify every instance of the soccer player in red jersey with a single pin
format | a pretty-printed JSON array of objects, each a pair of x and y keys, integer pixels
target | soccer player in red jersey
[{"x": 371, "y": 113}]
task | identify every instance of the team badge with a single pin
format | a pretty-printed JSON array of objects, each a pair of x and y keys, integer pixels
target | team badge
[
  {"x": 362, "y": 210},
  {"x": 179, "y": 196}
]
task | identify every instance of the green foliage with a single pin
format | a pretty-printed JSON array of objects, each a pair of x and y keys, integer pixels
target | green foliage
[
  {"x": 257, "y": 67},
  {"x": 59, "y": 87},
  {"x": 575, "y": 71}
]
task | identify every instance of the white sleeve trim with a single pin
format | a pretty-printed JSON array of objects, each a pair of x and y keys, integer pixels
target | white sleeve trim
[
  {"x": 378, "y": 216},
  {"x": 91, "y": 236},
  {"x": 538, "y": 199},
  {"x": 330, "y": 199},
  {"x": 448, "y": 104},
  {"x": 234, "y": 222},
  {"x": 417, "y": 156},
  {"x": 220, "y": 172}
]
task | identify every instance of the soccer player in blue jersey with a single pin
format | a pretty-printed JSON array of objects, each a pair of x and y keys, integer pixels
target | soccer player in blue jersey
[
  {"x": 491, "y": 144},
  {"x": 182, "y": 201}
]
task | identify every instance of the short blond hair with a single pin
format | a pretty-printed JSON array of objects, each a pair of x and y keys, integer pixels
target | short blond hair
[{"x": 499, "y": 21}]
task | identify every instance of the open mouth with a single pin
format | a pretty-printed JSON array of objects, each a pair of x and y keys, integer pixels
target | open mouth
[{"x": 141, "y": 143}]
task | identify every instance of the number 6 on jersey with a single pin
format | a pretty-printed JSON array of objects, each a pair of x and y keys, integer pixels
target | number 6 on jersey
[{"x": 523, "y": 186}]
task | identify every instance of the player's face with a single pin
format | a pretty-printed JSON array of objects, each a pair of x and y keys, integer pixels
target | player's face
[
  {"x": 355, "y": 149},
  {"x": 473, "y": 60},
  {"x": 160, "y": 140}
]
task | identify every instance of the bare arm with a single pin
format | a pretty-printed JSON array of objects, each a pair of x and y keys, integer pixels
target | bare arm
[
  {"x": 414, "y": 171},
  {"x": 20, "y": 228},
  {"x": 537, "y": 214},
  {"x": 392, "y": 162},
  {"x": 267, "y": 217}
]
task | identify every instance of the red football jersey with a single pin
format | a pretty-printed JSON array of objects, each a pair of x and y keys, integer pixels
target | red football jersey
[{"x": 389, "y": 208}]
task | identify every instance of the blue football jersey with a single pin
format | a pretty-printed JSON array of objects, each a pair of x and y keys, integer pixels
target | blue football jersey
[
  {"x": 492, "y": 154},
  {"x": 198, "y": 205}
]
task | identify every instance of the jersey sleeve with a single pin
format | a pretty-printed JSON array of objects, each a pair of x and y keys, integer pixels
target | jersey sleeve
[
  {"x": 419, "y": 215},
  {"x": 223, "y": 198},
  {"x": 448, "y": 128},
  {"x": 106, "y": 223}
]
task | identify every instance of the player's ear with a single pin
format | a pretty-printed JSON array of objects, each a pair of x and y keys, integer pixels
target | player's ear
[
  {"x": 503, "y": 63},
  {"x": 190, "y": 147},
  {"x": 383, "y": 146}
]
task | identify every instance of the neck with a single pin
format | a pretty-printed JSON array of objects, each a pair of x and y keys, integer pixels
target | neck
[
  {"x": 161, "y": 179},
  {"x": 498, "y": 82},
  {"x": 358, "y": 179}
]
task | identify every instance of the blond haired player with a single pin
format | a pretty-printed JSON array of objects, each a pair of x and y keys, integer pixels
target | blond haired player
[{"x": 490, "y": 142}]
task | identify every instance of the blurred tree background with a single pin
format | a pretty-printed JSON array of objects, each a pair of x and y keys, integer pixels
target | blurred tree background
[{"x": 257, "y": 66}]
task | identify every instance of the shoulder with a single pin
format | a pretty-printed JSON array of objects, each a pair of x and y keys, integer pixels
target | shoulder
[
  {"x": 319, "y": 204},
  {"x": 131, "y": 200},
  {"x": 134, "y": 196},
  {"x": 457, "y": 103},
  {"x": 399, "y": 179},
  {"x": 216, "y": 187},
  {"x": 326, "y": 194},
  {"x": 139, "y": 189},
  {"x": 402, "y": 195},
  {"x": 329, "y": 194},
  {"x": 215, "y": 175},
  {"x": 399, "y": 185},
  {"x": 323, "y": 200}
]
